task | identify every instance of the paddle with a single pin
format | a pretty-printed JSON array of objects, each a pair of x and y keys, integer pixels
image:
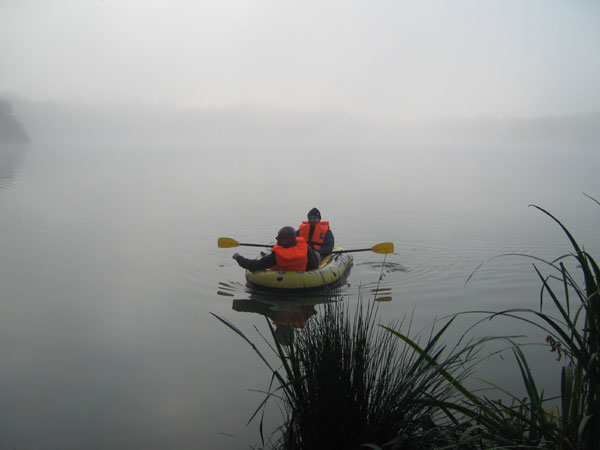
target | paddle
[
  {"x": 225, "y": 242},
  {"x": 382, "y": 247}
]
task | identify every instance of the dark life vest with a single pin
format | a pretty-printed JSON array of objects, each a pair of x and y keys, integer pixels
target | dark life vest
[
  {"x": 318, "y": 236},
  {"x": 291, "y": 258}
]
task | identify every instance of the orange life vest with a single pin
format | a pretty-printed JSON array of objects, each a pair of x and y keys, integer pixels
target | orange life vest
[
  {"x": 292, "y": 258},
  {"x": 318, "y": 235},
  {"x": 296, "y": 319}
]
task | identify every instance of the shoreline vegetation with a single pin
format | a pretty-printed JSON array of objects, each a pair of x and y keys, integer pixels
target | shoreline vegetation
[
  {"x": 131, "y": 120},
  {"x": 349, "y": 382},
  {"x": 11, "y": 129}
]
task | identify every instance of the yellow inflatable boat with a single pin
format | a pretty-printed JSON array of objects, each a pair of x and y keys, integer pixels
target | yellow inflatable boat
[{"x": 332, "y": 272}]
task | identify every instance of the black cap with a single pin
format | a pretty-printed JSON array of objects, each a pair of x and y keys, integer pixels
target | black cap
[{"x": 314, "y": 212}]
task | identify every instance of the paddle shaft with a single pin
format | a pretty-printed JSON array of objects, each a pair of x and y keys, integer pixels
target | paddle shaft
[
  {"x": 337, "y": 251},
  {"x": 383, "y": 247},
  {"x": 256, "y": 245},
  {"x": 356, "y": 250}
]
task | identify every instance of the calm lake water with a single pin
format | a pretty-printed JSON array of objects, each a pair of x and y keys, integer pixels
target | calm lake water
[{"x": 110, "y": 268}]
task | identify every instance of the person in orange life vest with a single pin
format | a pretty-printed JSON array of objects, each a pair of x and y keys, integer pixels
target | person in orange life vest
[
  {"x": 317, "y": 233},
  {"x": 290, "y": 253}
]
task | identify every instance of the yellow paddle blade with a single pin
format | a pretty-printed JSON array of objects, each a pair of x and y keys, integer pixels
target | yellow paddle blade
[
  {"x": 383, "y": 247},
  {"x": 225, "y": 242}
]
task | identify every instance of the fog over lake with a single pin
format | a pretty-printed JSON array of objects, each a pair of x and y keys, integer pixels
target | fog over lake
[
  {"x": 135, "y": 134},
  {"x": 110, "y": 265}
]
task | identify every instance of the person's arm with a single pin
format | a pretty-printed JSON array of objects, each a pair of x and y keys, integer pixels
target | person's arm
[
  {"x": 313, "y": 259},
  {"x": 254, "y": 265},
  {"x": 328, "y": 244}
]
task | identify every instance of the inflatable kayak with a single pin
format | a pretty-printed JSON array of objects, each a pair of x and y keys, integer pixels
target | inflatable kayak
[{"x": 332, "y": 272}]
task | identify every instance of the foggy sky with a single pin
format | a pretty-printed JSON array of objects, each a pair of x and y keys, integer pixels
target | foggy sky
[{"x": 394, "y": 58}]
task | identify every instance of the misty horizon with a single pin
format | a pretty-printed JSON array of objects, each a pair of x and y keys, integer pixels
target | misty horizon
[
  {"x": 379, "y": 60},
  {"x": 54, "y": 118}
]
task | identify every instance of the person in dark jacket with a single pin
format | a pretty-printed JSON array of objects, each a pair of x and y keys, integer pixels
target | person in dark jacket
[
  {"x": 289, "y": 254},
  {"x": 317, "y": 233}
]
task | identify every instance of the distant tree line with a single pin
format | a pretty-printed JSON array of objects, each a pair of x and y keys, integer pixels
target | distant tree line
[
  {"x": 64, "y": 119},
  {"x": 11, "y": 130}
]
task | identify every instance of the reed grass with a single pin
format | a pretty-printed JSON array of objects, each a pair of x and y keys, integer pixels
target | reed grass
[
  {"x": 574, "y": 334},
  {"x": 354, "y": 384},
  {"x": 346, "y": 381}
]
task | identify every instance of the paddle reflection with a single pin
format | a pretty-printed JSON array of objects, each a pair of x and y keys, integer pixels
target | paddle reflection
[{"x": 286, "y": 312}]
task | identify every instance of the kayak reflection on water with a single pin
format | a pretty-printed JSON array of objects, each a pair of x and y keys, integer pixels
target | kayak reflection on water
[{"x": 287, "y": 313}]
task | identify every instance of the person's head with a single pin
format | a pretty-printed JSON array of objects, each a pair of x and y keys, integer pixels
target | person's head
[
  {"x": 314, "y": 216},
  {"x": 286, "y": 236}
]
